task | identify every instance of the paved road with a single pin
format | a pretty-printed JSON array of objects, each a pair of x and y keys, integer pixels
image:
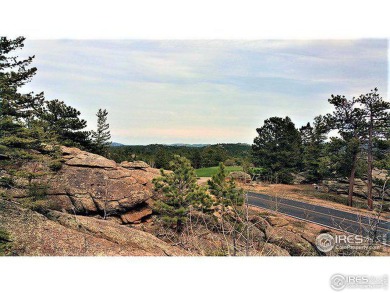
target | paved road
[{"x": 329, "y": 217}]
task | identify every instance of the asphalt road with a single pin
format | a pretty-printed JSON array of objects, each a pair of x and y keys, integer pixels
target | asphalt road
[{"x": 328, "y": 217}]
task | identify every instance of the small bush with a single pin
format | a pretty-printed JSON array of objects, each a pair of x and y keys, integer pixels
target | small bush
[
  {"x": 6, "y": 182},
  {"x": 284, "y": 177},
  {"x": 55, "y": 166},
  {"x": 37, "y": 191}
]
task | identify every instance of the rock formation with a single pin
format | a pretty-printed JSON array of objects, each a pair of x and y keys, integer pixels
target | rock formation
[
  {"x": 240, "y": 176},
  {"x": 341, "y": 185},
  {"x": 64, "y": 234},
  {"x": 91, "y": 184}
]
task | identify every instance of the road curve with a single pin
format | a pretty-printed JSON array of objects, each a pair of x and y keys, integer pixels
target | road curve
[{"x": 328, "y": 217}]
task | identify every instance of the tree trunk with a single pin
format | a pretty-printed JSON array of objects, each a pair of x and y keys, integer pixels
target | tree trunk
[
  {"x": 234, "y": 242},
  {"x": 179, "y": 226},
  {"x": 369, "y": 165},
  {"x": 352, "y": 180}
]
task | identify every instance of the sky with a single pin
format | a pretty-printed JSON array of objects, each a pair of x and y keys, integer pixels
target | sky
[{"x": 215, "y": 91}]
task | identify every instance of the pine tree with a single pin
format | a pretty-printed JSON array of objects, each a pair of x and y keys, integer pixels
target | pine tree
[
  {"x": 64, "y": 122},
  {"x": 277, "y": 148},
  {"x": 230, "y": 198},
  {"x": 348, "y": 119},
  {"x": 22, "y": 134},
  {"x": 213, "y": 155},
  {"x": 313, "y": 143},
  {"x": 101, "y": 137},
  {"x": 196, "y": 159},
  {"x": 225, "y": 191},
  {"x": 18, "y": 128},
  {"x": 162, "y": 158},
  {"x": 180, "y": 191},
  {"x": 378, "y": 124}
]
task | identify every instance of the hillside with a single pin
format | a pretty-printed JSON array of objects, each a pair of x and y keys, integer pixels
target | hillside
[{"x": 94, "y": 206}]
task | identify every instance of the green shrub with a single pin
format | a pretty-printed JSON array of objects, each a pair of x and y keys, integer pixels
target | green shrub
[
  {"x": 284, "y": 177},
  {"x": 55, "y": 166},
  {"x": 37, "y": 190},
  {"x": 6, "y": 182}
]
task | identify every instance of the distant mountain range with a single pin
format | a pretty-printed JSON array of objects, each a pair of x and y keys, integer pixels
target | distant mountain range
[
  {"x": 116, "y": 144},
  {"x": 196, "y": 145}
]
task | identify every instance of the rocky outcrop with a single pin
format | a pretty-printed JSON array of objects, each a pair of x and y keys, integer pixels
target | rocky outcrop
[
  {"x": 380, "y": 174},
  {"x": 136, "y": 215},
  {"x": 148, "y": 172},
  {"x": 134, "y": 165},
  {"x": 269, "y": 249},
  {"x": 281, "y": 238},
  {"x": 62, "y": 234},
  {"x": 286, "y": 238},
  {"x": 299, "y": 178},
  {"x": 91, "y": 184},
  {"x": 240, "y": 176},
  {"x": 341, "y": 185}
]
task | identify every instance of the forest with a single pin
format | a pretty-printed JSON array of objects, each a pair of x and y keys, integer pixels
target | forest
[{"x": 159, "y": 155}]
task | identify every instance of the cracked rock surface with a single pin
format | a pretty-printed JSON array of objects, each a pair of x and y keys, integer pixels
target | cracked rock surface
[
  {"x": 91, "y": 184},
  {"x": 62, "y": 234}
]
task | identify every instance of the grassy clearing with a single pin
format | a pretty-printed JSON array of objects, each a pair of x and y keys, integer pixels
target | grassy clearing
[{"x": 210, "y": 171}]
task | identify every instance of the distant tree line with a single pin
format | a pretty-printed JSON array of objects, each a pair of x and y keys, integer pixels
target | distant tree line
[{"x": 159, "y": 156}]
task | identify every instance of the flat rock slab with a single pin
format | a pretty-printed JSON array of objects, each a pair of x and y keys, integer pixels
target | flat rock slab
[
  {"x": 134, "y": 165},
  {"x": 90, "y": 160},
  {"x": 136, "y": 215}
]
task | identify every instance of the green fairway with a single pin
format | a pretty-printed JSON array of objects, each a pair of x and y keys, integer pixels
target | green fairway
[{"x": 210, "y": 171}]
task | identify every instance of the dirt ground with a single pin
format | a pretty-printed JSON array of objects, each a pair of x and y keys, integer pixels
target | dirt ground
[{"x": 203, "y": 180}]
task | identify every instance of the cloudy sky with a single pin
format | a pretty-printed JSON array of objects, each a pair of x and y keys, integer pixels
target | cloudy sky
[{"x": 203, "y": 91}]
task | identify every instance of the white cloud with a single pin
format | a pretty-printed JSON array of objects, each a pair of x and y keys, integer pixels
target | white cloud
[{"x": 204, "y": 91}]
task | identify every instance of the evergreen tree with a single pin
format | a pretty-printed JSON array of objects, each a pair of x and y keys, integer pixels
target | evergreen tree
[
  {"x": 213, "y": 155},
  {"x": 376, "y": 113},
  {"x": 348, "y": 119},
  {"x": 101, "y": 137},
  {"x": 64, "y": 122},
  {"x": 180, "y": 191},
  {"x": 196, "y": 159},
  {"x": 230, "y": 198},
  {"x": 313, "y": 142},
  {"x": 225, "y": 191},
  {"x": 18, "y": 129},
  {"x": 162, "y": 158},
  {"x": 278, "y": 148},
  {"x": 21, "y": 132}
]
